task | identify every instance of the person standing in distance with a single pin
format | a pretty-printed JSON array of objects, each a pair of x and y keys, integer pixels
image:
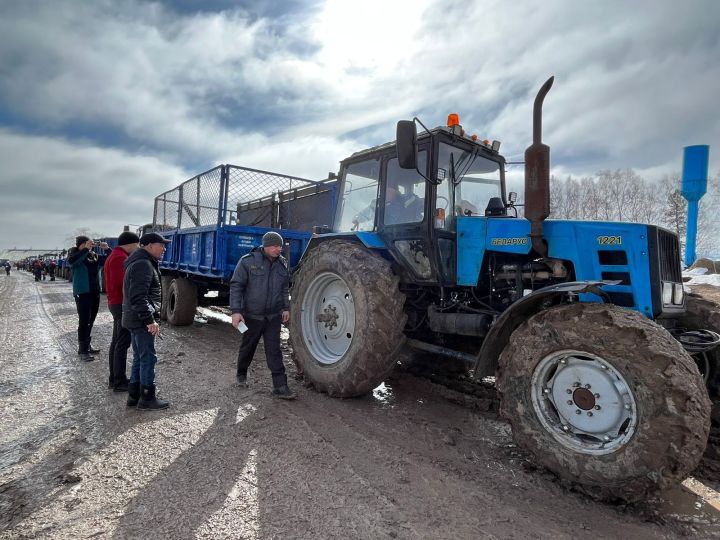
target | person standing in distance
[
  {"x": 142, "y": 295},
  {"x": 86, "y": 290},
  {"x": 114, "y": 272},
  {"x": 259, "y": 298}
]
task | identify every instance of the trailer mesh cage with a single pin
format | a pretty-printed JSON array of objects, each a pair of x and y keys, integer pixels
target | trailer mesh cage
[{"x": 232, "y": 195}]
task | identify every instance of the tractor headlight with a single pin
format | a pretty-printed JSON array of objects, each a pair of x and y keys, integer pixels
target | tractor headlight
[
  {"x": 678, "y": 294},
  {"x": 667, "y": 292}
]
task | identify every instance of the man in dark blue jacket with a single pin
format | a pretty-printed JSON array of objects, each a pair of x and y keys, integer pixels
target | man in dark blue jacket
[
  {"x": 142, "y": 296},
  {"x": 259, "y": 299}
]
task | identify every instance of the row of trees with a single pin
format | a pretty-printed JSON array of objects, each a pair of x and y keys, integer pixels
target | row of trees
[{"x": 623, "y": 195}]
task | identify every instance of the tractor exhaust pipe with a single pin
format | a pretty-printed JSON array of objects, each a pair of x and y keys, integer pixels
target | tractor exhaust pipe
[{"x": 537, "y": 176}]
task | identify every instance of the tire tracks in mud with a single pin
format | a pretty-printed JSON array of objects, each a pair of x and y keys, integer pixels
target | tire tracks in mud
[{"x": 45, "y": 417}]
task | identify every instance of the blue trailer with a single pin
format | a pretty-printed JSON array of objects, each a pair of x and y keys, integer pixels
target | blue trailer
[{"x": 220, "y": 215}]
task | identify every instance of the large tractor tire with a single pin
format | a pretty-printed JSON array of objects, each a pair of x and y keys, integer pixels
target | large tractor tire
[
  {"x": 605, "y": 398},
  {"x": 347, "y": 318},
  {"x": 703, "y": 314},
  {"x": 165, "y": 282},
  {"x": 182, "y": 302}
]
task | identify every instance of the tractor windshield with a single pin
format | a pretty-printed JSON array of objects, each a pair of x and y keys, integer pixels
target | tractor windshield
[{"x": 476, "y": 180}]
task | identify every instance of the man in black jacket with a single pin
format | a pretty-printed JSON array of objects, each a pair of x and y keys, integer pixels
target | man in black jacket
[
  {"x": 259, "y": 299},
  {"x": 140, "y": 312}
]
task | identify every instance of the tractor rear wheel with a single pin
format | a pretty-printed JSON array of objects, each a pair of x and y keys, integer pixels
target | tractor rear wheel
[
  {"x": 604, "y": 398},
  {"x": 182, "y": 302},
  {"x": 347, "y": 318}
]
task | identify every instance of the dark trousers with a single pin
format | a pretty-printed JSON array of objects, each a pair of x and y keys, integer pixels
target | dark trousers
[
  {"x": 269, "y": 330},
  {"x": 87, "y": 308},
  {"x": 117, "y": 355},
  {"x": 144, "y": 357}
]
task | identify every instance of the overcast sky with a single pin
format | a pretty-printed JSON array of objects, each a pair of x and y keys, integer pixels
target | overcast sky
[{"x": 105, "y": 104}]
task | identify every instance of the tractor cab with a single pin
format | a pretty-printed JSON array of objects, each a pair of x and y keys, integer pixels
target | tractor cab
[{"x": 411, "y": 192}]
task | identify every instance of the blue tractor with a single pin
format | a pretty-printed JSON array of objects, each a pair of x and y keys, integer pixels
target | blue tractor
[{"x": 595, "y": 345}]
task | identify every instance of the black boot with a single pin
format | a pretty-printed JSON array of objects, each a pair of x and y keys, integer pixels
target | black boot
[
  {"x": 121, "y": 387},
  {"x": 86, "y": 357},
  {"x": 133, "y": 394},
  {"x": 148, "y": 401},
  {"x": 284, "y": 392},
  {"x": 241, "y": 379}
]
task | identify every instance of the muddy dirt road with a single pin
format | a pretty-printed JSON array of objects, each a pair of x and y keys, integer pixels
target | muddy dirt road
[{"x": 414, "y": 460}]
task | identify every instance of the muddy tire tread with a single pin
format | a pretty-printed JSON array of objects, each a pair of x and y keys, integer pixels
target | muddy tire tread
[
  {"x": 379, "y": 319},
  {"x": 673, "y": 404},
  {"x": 185, "y": 293}
]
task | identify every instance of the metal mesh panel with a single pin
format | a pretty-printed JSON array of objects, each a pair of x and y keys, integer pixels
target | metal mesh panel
[
  {"x": 166, "y": 210},
  {"x": 201, "y": 199},
  {"x": 252, "y": 196},
  {"x": 194, "y": 203},
  {"x": 230, "y": 195}
]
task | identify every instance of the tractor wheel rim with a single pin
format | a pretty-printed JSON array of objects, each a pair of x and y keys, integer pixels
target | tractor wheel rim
[
  {"x": 328, "y": 318},
  {"x": 584, "y": 402}
]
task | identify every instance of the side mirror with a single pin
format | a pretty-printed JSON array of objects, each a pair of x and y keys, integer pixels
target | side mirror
[
  {"x": 512, "y": 198},
  {"x": 407, "y": 144}
]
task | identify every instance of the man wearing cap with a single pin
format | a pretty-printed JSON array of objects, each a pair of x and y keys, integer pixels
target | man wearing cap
[
  {"x": 114, "y": 272},
  {"x": 259, "y": 298},
  {"x": 142, "y": 295}
]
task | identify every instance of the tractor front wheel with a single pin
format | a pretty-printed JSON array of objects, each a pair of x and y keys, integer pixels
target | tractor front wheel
[
  {"x": 604, "y": 398},
  {"x": 704, "y": 314}
]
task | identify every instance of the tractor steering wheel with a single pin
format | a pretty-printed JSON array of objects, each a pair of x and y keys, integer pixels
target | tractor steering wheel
[{"x": 447, "y": 202}]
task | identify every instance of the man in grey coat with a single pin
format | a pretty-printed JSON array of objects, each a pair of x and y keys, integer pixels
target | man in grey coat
[{"x": 259, "y": 299}]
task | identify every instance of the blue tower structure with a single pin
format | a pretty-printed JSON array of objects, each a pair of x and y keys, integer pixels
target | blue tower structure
[{"x": 694, "y": 186}]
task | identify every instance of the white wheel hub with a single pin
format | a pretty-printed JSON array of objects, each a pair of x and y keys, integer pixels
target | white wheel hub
[
  {"x": 328, "y": 318},
  {"x": 583, "y": 402}
]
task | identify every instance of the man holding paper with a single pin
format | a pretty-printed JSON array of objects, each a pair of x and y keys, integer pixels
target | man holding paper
[{"x": 259, "y": 301}]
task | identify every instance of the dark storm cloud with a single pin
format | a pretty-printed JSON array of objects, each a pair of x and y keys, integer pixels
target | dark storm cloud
[{"x": 120, "y": 99}]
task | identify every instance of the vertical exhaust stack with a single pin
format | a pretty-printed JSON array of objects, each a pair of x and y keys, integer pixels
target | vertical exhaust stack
[{"x": 537, "y": 176}]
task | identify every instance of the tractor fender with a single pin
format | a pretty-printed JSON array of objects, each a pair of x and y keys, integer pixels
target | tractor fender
[
  {"x": 370, "y": 240},
  {"x": 499, "y": 334}
]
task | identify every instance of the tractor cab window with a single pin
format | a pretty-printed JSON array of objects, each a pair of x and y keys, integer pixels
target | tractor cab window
[
  {"x": 404, "y": 192},
  {"x": 476, "y": 180},
  {"x": 359, "y": 201}
]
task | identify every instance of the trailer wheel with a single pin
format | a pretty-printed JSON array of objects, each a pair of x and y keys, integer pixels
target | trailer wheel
[
  {"x": 703, "y": 314},
  {"x": 346, "y": 318},
  {"x": 182, "y": 302},
  {"x": 604, "y": 398},
  {"x": 165, "y": 282}
]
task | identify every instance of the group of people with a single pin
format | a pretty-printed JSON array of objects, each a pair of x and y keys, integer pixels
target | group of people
[
  {"x": 42, "y": 269},
  {"x": 259, "y": 301}
]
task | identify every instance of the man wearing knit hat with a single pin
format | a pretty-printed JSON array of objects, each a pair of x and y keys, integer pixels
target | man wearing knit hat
[
  {"x": 114, "y": 272},
  {"x": 259, "y": 298}
]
